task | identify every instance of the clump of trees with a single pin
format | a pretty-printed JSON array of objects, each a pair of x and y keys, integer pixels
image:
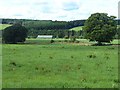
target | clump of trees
[
  {"x": 59, "y": 29},
  {"x": 14, "y": 34},
  {"x": 100, "y": 27}
]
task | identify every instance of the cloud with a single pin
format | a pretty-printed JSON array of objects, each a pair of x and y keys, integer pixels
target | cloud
[
  {"x": 70, "y": 6},
  {"x": 56, "y": 9}
]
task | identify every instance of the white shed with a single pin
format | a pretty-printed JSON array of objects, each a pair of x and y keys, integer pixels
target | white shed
[{"x": 44, "y": 36}]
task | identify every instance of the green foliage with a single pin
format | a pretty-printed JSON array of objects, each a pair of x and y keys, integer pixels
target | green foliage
[
  {"x": 100, "y": 27},
  {"x": 14, "y": 34},
  {"x": 46, "y": 25},
  {"x": 72, "y": 39},
  {"x": 52, "y": 41},
  {"x": 118, "y": 33}
]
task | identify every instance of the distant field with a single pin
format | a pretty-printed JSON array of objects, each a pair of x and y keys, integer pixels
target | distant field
[
  {"x": 3, "y": 26},
  {"x": 80, "y": 28},
  {"x": 59, "y": 65},
  {"x": 76, "y": 28}
]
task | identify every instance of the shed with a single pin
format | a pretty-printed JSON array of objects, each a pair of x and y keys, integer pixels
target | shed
[{"x": 45, "y": 36}]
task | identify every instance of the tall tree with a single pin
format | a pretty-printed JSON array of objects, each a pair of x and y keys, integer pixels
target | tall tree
[{"x": 100, "y": 27}]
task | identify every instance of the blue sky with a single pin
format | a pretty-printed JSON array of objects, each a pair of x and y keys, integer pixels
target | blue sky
[{"x": 56, "y": 9}]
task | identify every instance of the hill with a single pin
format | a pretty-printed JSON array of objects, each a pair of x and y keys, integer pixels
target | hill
[
  {"x": 76, "y": 28},
  {"x": 3, "y": 26},
  {"x": 80, "y": 28}
]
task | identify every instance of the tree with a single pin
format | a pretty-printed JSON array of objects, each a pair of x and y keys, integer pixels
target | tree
[
  {"x": 100, "y": 27},
  {"x": 14, "y": 34},
  {"x": 118, "y": 33}
]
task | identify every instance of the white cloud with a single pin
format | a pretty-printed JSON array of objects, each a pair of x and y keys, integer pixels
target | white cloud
[{"x": 56, "y": 9}]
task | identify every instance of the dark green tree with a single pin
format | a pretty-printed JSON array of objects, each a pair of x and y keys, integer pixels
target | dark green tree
[
  {"x": 14, "y": 34},
  {"x": 118, "y": 33},
  {"x": 100, "y": 27}
]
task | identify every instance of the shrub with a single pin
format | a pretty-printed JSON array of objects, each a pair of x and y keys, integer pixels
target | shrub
[
  {"x": 14, "y": 34},
  {"x": 77, "y": 41},
  {"x": 72, "y": 39},
  {"x": 52, "y": 41},
  {"x": 66, "y": 37}
]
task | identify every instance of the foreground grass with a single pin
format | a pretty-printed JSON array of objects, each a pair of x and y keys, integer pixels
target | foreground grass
[{"x": 60, "y": 66}]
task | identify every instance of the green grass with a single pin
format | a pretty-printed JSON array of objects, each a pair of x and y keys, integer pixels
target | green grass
[
  {"x": 115, "y": 41},
  {"x": 3, "y": 26},
  {"x": 59, "y": 66},
  {"x": 38, "y": 41},
  {"x": 47, "y": 41},
  {"x": 77, "y": 28}
]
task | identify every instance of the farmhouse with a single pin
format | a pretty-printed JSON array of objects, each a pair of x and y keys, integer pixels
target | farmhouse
[{"x": 44, "y": 36}]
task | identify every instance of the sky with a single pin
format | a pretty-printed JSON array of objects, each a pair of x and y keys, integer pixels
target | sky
[{"x": 61, "y": 10}]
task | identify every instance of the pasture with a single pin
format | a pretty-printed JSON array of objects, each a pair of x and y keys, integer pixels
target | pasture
[
  {"x": 77, "y": 28},
  {"x": 59, "y": 65},
  {"x": 3, "y": 26}
]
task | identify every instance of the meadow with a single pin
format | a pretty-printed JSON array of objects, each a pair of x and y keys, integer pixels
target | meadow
[
  {"x": 77, "y": 28},
  {"x": 3, "y": 26},
  {"x": 59, "y": 65}
]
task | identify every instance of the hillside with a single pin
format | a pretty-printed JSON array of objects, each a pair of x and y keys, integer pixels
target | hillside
[
  {"x": 80, "y": 28},
  {"x": 3, "y": 26},
  {"x": 76, "y": 28}
]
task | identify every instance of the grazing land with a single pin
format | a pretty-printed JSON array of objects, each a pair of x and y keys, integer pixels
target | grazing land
[
  {"x": 3, "y": 26},
  {"x": 59, "y": 65},
  {"x": 77, "y": 28}
]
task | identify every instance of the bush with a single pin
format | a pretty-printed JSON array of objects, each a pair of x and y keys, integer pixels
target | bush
[
  {"x": 65, "y": 40},
  {"x": 14, "y": 34},
  {"x": 52, "y": 41},
  {"x": 81, "y": 37},
  {"x": 77, "y": 41},
  {"x": 72, "y": 39},
  {"x": 66, "y": 37}
]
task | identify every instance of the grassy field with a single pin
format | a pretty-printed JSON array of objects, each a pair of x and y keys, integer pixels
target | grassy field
[
  {"x": 59, "y": 66},
  {"x": 3, "y": 26},
  {"x": 77, "y": 28}
]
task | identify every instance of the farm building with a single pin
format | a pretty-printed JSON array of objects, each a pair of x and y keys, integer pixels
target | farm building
[{"x": 44, "y": 36}]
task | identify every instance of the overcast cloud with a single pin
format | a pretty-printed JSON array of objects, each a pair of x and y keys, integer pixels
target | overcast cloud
[{"x": 56, "y": 9}]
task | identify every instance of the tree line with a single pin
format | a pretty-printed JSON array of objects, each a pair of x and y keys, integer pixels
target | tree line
[
  {"x": 59, "y": 29},
  {"x": 98, "y": 27},
  {"x": 45, "y": 24}
]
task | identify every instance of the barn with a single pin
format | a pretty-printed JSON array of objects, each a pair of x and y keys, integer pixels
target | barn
[{"x": 44, "y": 36}]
